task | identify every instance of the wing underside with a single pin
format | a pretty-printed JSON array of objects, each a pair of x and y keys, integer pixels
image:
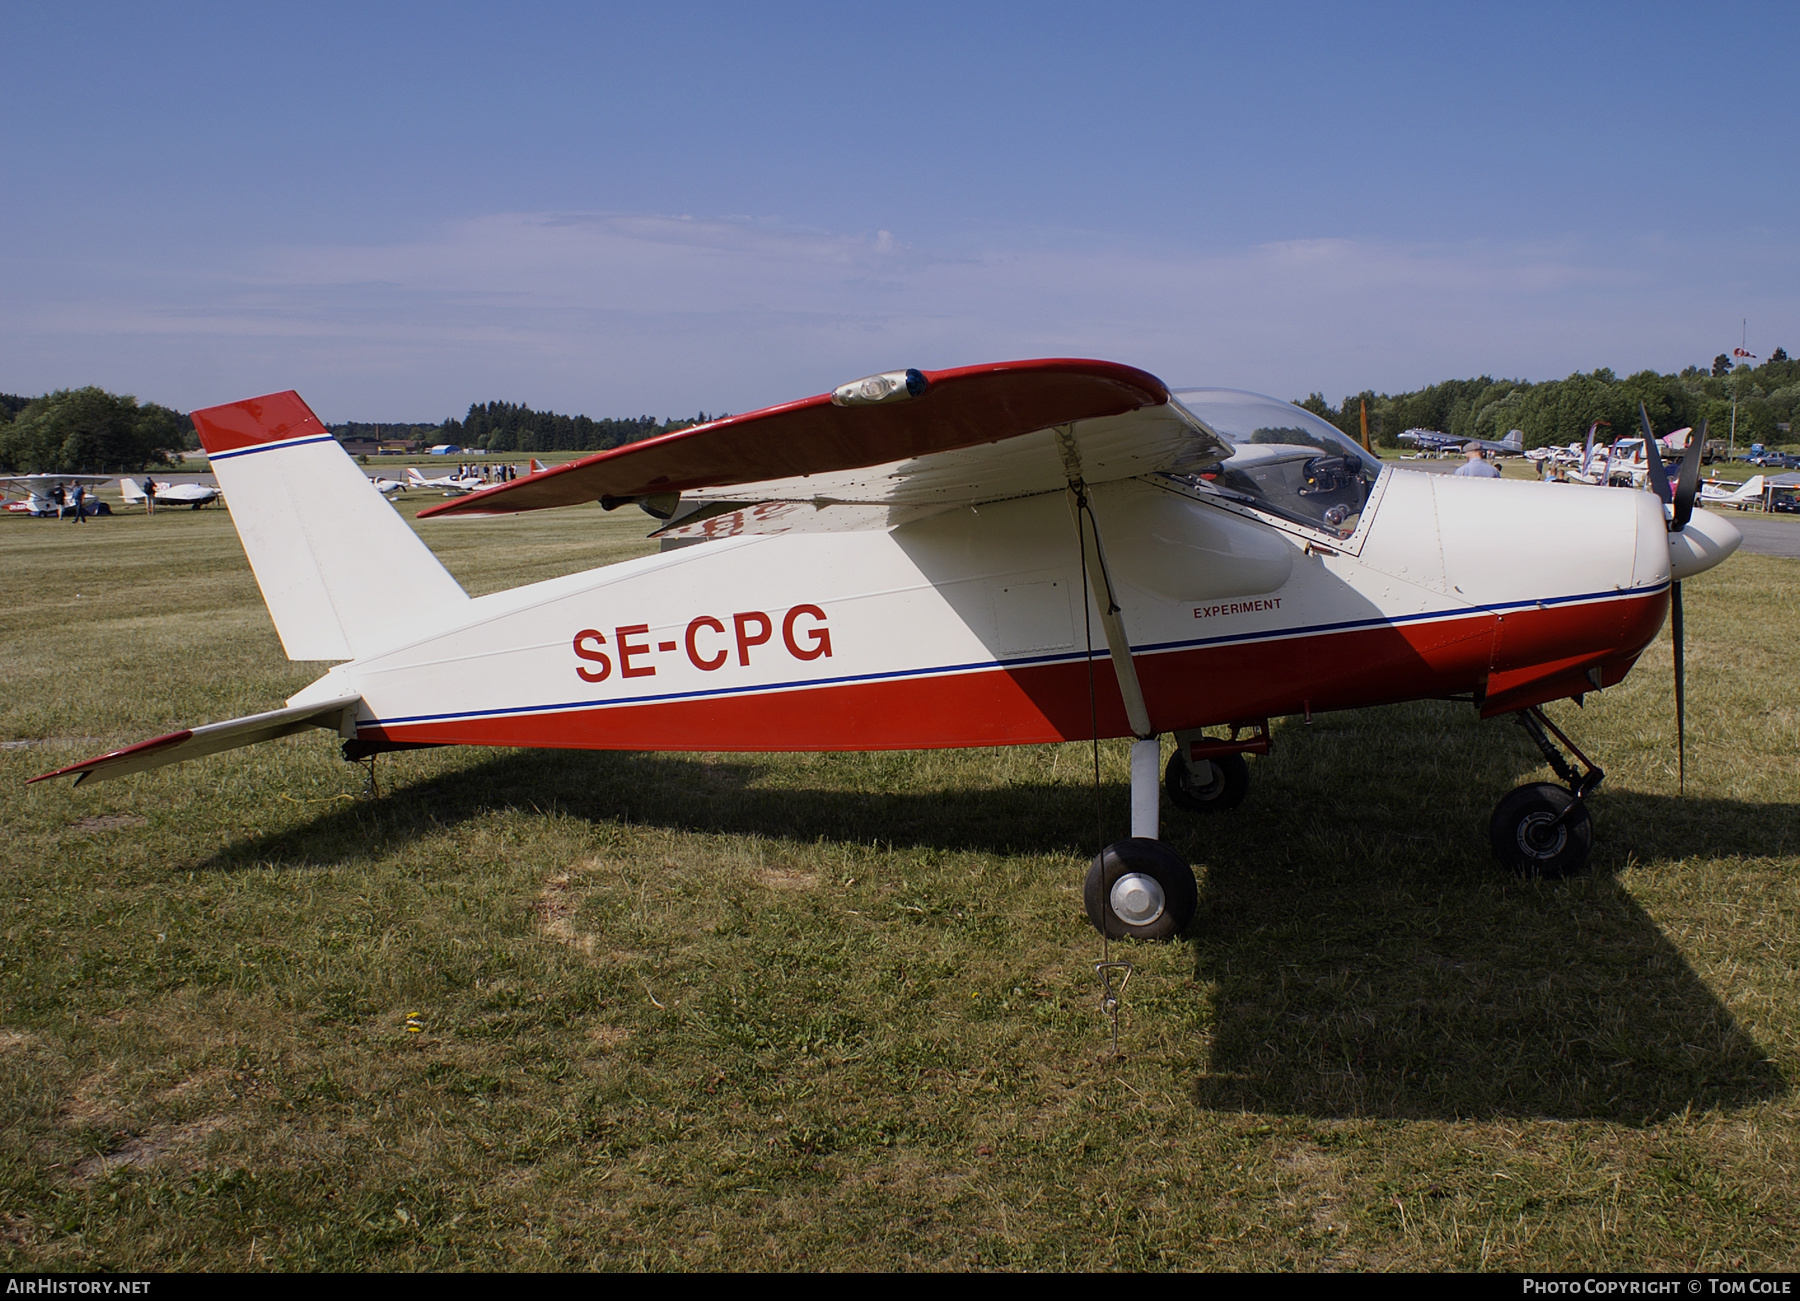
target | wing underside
[
  {"x": 971, "y": 436},
  {"x": 1154, "y": 440}
]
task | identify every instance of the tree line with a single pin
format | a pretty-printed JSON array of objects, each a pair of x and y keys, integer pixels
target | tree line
[
  {"x": 1560, "y": 411},
  {"x": 88, "y": 431},
  {"x": 515, "y": 427},
  {"x": 91, "y": 431}
]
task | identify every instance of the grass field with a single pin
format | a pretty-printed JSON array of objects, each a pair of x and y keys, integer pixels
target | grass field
[{"x": 554, "y": 1010}]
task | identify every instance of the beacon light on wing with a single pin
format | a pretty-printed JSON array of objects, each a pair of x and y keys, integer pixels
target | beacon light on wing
[
  {"x": 1043, "y": 551},
  {"x": 889, "y": 386}
]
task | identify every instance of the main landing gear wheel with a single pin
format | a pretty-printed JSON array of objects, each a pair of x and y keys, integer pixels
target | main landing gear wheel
[
  {"x": 1204, "y": 785},
  {"x": 1140, "y": 889},
  {"x": 1542, "y": 830}
]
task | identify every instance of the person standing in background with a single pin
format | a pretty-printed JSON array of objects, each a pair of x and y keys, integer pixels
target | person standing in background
[{"x": 1476, "y": 467}]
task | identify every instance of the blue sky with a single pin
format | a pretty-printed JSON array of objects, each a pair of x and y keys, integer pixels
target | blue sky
[{"x": 399, "y": 209}]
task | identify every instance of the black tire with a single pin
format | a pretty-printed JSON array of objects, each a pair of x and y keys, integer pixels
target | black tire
[
  {"x": 1206, "y": 785},
  {"x": 1147, "y": 858},
  {"x": 1524, "y": 840}
]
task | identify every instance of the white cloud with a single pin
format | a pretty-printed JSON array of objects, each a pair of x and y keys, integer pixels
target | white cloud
[{"x": 618, "y": 314}]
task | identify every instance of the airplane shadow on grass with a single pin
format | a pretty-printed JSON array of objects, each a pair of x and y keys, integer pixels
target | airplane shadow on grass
[
  {"x": 1362, "y": 953},
  {"x": 1343, "y": 994}
]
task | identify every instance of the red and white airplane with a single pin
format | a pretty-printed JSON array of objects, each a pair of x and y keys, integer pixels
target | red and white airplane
[
  {"x": 1018, "y": 553},
  {"x": 36, "y": 490}
]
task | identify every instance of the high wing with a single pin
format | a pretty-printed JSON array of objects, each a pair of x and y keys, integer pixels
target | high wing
[
  {"x": 40, "y": 483},
  {"x": 192, "y": 743},
  {"x": 897, "y": 442}
]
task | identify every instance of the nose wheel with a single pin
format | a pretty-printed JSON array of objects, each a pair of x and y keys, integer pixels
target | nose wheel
[
  {"x": 1541, "y": 830},
  {"x": 1206, "y": 785},
  {"x": 1208, "y": 774}
]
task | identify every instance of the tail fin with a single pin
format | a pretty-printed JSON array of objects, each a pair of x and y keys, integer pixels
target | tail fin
[
  {"x": 1515, "y": 439},
  {"x": 537, "y": 466},
  {"x": 1753, "y": 487},
  {"x": 413, "y": 477},
  {"x": 342, "y": 573},
  {"x": 129, "y": 490}
]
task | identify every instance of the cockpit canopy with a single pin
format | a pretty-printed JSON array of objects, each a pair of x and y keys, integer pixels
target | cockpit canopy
[{"x": 1285, "y": 460}]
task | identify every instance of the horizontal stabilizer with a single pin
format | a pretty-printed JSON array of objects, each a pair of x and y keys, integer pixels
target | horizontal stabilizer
[{"x": 192, "y": 743}]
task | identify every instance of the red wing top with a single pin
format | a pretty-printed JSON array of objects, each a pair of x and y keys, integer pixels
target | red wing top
[{"x": 910, "y": 417}]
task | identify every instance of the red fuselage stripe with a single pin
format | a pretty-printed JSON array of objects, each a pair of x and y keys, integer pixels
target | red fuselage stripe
[{"x": 1188, "y": 688}]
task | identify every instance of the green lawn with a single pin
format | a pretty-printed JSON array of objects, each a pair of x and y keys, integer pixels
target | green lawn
[{"x": 557, "y": 1010}]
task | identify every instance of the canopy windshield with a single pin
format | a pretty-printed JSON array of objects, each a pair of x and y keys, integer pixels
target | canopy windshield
[{"x": 1285, "y": 460}]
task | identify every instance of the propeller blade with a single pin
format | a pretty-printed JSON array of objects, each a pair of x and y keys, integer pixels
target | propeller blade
[
  {"x": 1687, "y": 483},
  {"x": 1659, "y": 478},
  {"x": 1677, "y": 635},
  {"x": 1587, "y": 454}
]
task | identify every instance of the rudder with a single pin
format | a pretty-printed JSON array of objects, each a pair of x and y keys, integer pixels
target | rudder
[{"x": 342, "y": 573}]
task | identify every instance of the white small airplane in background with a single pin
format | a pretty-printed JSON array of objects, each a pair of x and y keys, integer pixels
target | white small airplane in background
[
  {"x": 459, "y": 485},
  {"x": 1628, "y": 464},
  {"x": 36, "y": 490},
  {"x": 1578, "y": 463},
  {"x": 194, "y": 495},
  {"x": 385, "y": 486},
  {"x": 1725, "y": 493},
  {"x": 452, "y": 485}
]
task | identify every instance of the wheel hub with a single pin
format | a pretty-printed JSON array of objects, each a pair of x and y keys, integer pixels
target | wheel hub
[
  {"x": 1137, "y": 899},
  {"x": 1541, "y": 835},
  {"x": 1205, "y": 779}
]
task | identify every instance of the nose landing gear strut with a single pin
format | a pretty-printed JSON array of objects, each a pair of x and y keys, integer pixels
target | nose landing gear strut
[{"x": 1543, "y": 830}]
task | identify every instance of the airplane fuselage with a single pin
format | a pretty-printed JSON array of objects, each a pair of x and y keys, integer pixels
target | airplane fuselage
[{"x": 975, "y": 626}]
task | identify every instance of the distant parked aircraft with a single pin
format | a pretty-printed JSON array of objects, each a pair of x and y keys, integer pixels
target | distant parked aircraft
[
  {"x": 452, "y": 485},
  {"x": 36, "y": 489},
  {"x": 1429, "y": 440},
  {"x": 195, "y": 495},
  {"x": 1718, "y": 494},
  {"x": 455, "y": 485}
]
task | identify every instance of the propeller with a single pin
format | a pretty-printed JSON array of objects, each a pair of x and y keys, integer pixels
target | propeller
[
  {"x": 1659, "y": 478},
  {"x": 1680, "y": 499}
]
